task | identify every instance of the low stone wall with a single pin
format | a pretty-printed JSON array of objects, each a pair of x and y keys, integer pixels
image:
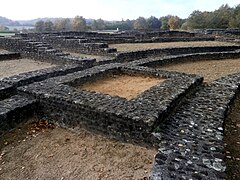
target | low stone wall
[
  {"x": 191, "y": 142},
  {"x": 130, "y": 56},
  {"x": 8, "y": 85},
  {"x": 6, "y": 90},
  {"x": 14, "y": 110},
  {"x": 76, "y": 44},
  {"x": 112, "y": 115},
  {"x": 41, "y": 51},
  {"x": 39, "y": 75},
  {"x": 9, "y": 56},
  {"x": 97, "y": 43},
  {"x": 153, "y": 62}
]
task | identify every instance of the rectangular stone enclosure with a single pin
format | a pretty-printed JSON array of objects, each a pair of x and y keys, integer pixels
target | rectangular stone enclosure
[{"x": 135, "y": 119}]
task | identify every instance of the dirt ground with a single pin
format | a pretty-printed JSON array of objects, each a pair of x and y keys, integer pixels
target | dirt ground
[
  {"x": 43, "y": 151},
  {"x": 122, "y": 85},
  {"x": 141, "y": 46},
  {"x": 3, "y": 51},
  {"x": 14, "y": 67},
  {"x": 210, "y": 70}
]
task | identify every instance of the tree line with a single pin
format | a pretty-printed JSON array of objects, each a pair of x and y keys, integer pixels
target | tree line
[{"x": 223, "y": 17}]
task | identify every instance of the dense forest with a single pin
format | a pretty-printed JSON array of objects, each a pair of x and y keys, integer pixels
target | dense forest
[{"x": 223, "y": 17}]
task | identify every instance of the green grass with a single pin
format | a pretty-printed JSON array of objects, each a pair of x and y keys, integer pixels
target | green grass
[{"x": 7, "y": 33}]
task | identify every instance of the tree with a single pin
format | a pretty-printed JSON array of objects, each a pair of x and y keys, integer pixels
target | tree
[
  {"x": 140, "y": 23},
  {"x": 121, "y": 25},
  {"x": 39, "y": 26},
  {"x": 129, "y": 23},
  {"x": 63, "y": 24},
  {"x": 4, "y": 28},
  {"x": 79, "y": 23},
  {"x": 94, "y": 25},
  {"x": 48, "y": 25},
  {"x": 98, "y": 24},
  {"x": 153, "y": 23},
  {"x": 235, "y": 19},
  {"x": 220, "y": 18},
  {"x": 174, "y": 22},
  {"x": 164, "y": 22},
  {"x": 198, "y": 20}
]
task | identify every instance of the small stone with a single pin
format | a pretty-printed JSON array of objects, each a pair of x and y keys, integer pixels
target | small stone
[
  {"x": 195, "y": 158},
  {"x": 180, "y": 145},
  {"x": 209, "y": 130},
  {"x": 220, "y": 128},
  {"x": 213, "y": 149},
  {"x": 176, "y": 166},
  {"x": 182, "y": 131},
  {"x": 229, "y": 157},
  {"x": 218, "y": 160},
  {"x": 176, "y": 159},
  {"x": 189, "y": 162},
  {"x": 207, "y": 162},
  {"x": 218, "y": 167},
  {"x": 219, "y": 137},
  {"x": 192, "y": 123}
]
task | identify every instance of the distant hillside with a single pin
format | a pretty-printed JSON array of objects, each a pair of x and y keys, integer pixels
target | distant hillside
[
  {"x": 33, "y": 21},
  {"x": 8, "y": 22}
]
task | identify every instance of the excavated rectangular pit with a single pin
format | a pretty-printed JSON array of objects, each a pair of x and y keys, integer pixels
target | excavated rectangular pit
[{"x": 122, "y": 85}]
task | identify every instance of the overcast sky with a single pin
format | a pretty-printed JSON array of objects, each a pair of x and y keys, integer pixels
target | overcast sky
[{"x": 106, "y": 9}]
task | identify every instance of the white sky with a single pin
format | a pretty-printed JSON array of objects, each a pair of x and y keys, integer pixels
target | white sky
[{"x": 106, "y": 9}]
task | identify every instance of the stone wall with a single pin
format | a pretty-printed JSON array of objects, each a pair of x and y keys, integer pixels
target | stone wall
[
  {"x": 191, "y": 143},
  {"x": 9, "y": 56},
  {"x": 153, "y": 62},
  {"x": 41, "y": 51},
  {"x": 14, "y": 110},
  {"x": 132, "y": 120},
  {"x": 130, "y": 56}
]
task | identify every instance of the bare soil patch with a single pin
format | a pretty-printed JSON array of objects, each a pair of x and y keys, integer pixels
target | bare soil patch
[
  {"x": 232, "y": 142},
  {"x": 142, "y": 46},
  {"x": 3, "y": 51},
  {"x": 14, "y": 67},
  {"x": 209, "y": 69},
  {"x": 125, "y": 86},
  {"x": 33, "y": 152}
]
